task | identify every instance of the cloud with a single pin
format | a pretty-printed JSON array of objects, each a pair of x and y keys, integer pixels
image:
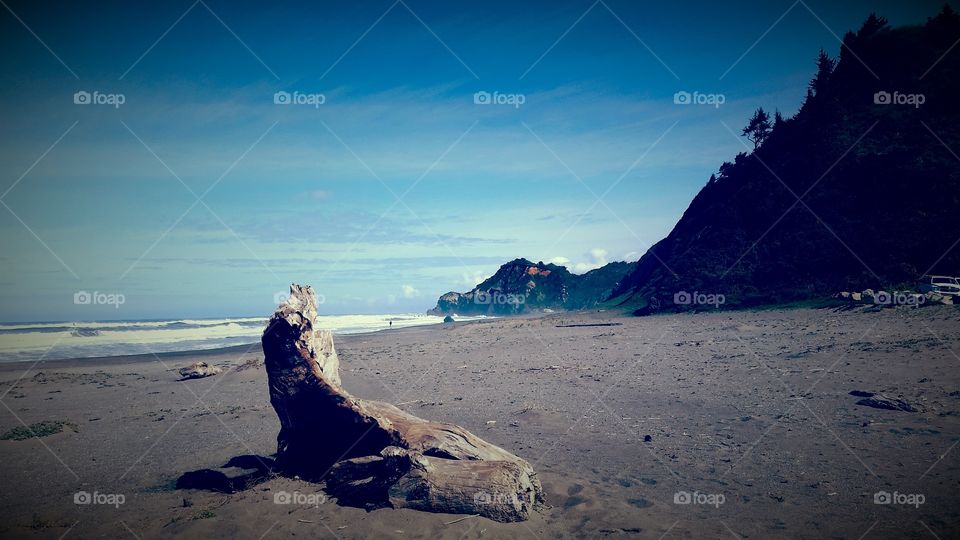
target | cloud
[
  {"x": 319, "y": 195},
  {"x": 410, "y": 292},
  {"x": 593, "y": 259},
  {"x": 338, "y": 225},
  {"x": 473, "y": 279}
]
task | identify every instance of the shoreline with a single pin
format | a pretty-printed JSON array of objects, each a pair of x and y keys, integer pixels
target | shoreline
[
  {"x": 233, "y": 351},
  {"x": 254, "y": 347}
]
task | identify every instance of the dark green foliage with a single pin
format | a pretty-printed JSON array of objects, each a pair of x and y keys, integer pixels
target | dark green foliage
[
  {"x": 40, "y": 429},
  {"x": 879, "y": 186}
]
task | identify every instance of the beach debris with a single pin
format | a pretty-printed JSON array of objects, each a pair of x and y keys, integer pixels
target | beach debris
[
  {"x": 895, "y": 298},
  {"x": 937, "y": 298},
  {"x": 409, "y": 402},
  {"x": 250, "y": 363},
  {"x": 372, "y": 454},
  {"x": 880, "y": 401},
  {"x": 199, "y": 370},
  {"x": 464, "y": 518},
  {"x": 582, "y": 325}
]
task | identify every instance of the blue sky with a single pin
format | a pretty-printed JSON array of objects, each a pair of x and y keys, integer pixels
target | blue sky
[{"x": 398, "y": 187}]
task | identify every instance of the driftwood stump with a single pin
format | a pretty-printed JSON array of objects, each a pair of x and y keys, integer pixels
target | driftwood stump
[{"x": 372, "y": 454}]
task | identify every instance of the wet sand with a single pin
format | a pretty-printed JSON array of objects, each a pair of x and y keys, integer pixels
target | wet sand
[{"x": 748, "y": 412}]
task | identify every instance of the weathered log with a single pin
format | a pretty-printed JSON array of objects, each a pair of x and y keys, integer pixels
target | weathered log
[{"x": 372, "y": 454}]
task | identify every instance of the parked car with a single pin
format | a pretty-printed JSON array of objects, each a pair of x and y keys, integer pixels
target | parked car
[{"x": 944, "y": 285}]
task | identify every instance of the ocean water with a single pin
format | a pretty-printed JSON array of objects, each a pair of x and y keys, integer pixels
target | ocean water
[{"x": 29, "y": 342}]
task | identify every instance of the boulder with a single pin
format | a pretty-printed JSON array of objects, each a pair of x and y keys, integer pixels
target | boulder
[
  {"x": 372, "y": 454},
  {"x": 937, "y": 298}
]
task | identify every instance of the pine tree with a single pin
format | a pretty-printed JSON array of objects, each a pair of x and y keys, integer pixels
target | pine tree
[
  {"x": 872, "y": 25},
  {"x": 758, "y": 129},
  {"x": 825, "y": 67}
]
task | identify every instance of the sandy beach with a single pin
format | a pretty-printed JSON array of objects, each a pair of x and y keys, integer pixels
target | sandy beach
[{"x": 746, "y": 415}]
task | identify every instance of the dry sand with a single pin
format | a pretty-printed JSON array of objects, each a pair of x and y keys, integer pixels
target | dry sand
[{"x": 750, "y": 406}]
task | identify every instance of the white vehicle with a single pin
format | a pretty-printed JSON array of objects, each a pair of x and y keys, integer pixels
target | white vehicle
[{"x": 944, "y": 285}]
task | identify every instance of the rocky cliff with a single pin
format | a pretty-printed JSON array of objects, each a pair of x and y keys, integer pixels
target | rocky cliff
[
  {"x": 521, "y": 286},
  {"x": 859, "y": 189}
]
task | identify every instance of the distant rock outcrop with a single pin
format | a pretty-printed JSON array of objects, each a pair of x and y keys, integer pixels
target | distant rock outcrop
[
  {"x": 372, "y": 454},
  {"x": 520, "y": 286}
]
